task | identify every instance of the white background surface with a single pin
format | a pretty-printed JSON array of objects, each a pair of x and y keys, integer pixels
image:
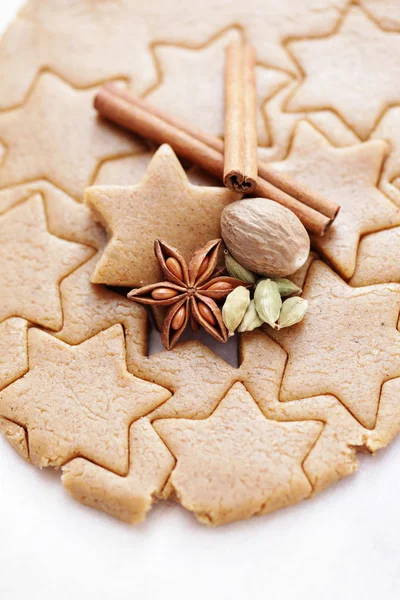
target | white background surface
[{"x": 342, "y": 545}]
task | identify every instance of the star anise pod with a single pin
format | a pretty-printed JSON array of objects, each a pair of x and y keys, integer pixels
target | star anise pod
[{"x": 191, "y": 291}]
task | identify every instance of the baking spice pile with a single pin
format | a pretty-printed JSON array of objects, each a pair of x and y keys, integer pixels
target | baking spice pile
[{"x": 265, "y": 236}]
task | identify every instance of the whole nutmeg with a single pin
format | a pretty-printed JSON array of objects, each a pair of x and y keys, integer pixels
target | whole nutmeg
[{"x": 265, "y": 237}]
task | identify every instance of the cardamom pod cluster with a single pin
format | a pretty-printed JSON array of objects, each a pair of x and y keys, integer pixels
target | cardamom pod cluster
[{"x": 242, "y": 313}]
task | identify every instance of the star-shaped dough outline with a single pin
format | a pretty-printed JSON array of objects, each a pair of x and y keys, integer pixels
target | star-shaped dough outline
[
  {"x": 56, "y": 135},
  {"x": 347, "y": 345},
  {"x": 163, "y": 205},
  {"x": 33, "y": 263},
  {"x": 79, "y": 400},
  {"x": 237, "y": 463},
  {"x": 348, "y": 176},
  {"x": 357, "y": 48},
  {"x": 47, "y": 40}
]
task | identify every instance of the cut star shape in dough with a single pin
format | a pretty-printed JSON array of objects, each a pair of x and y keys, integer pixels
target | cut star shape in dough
[
  {"x": 57, "y": 135},
  {"x": 347, "y": 345},
  {"x": 45, "y": 33},
  {"x": 347, "y": 176},
  {"x": 282, "y": 125},
  {"x": 33, "y": 262},
  {"x": 203, "y": 69},
  {"x": 339, "y": 69},
  {"x": 266, "y": 24},
  {"x": 164, "y": 205},
  {"x": 79, "y": 400},
  {"x": 236, "y": 463}
]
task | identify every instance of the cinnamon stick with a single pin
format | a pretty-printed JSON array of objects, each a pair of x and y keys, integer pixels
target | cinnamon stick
[
  {"x": 282, "y": 181},
  {"x": 240, "y": 168},
  {"x": 125, "y": 109},
  {"x": 207, "y": 139},
  {"x": 132, "y": 116}
]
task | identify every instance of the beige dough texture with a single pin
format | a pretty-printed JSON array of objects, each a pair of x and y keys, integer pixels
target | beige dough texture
[{"x": 81, "y": 202}]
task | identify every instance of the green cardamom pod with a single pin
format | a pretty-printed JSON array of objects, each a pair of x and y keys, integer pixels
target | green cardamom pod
[
  {"x": 286, "y": 287},
  {"x": 251, "y": 320},
  {"x": 237, "y": 271},
  {"x": 293, "y": 311},
  {"x": 235, "y": 308},
  {"x": 268, "y": 301}
]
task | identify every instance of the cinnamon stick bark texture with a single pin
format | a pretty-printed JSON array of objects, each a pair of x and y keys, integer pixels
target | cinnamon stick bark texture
[
  {"x": 283, "y": 182},
  {"x": 132, "y": 116},
  {"x": 240, "y": 168},
  {"x": 124, "y": 108}
]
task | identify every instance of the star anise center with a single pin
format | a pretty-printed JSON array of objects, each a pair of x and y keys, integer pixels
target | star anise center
[{"x": 190, "y": 291}]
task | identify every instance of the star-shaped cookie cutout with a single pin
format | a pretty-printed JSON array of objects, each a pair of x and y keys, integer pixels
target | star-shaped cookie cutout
[
  {"x": 33, "y": 262},
  {"x": 79, "y": 400},
  {"x": 282, "y": 125},
  {"x": 46, "y": 37},
  {"x": 349, "y": 177},
  {"x": 57, "y": 135},
  {"x": 347, "y": 345},
  {"x": 334, "y": 455},
  {"x": 183, "y": 69},
  {"x": 164, "y": 205},
  {"x": 338, "y": 71},
  {"x": 266, "y": 24},
  {"x": 236, "y": 463}
]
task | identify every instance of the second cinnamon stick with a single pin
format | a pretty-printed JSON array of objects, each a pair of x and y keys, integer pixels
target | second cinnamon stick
[
  {"x": 281, "y": 181},
  {"x": 126, "y": 110},
  {"x": 240, "y": 166}
]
